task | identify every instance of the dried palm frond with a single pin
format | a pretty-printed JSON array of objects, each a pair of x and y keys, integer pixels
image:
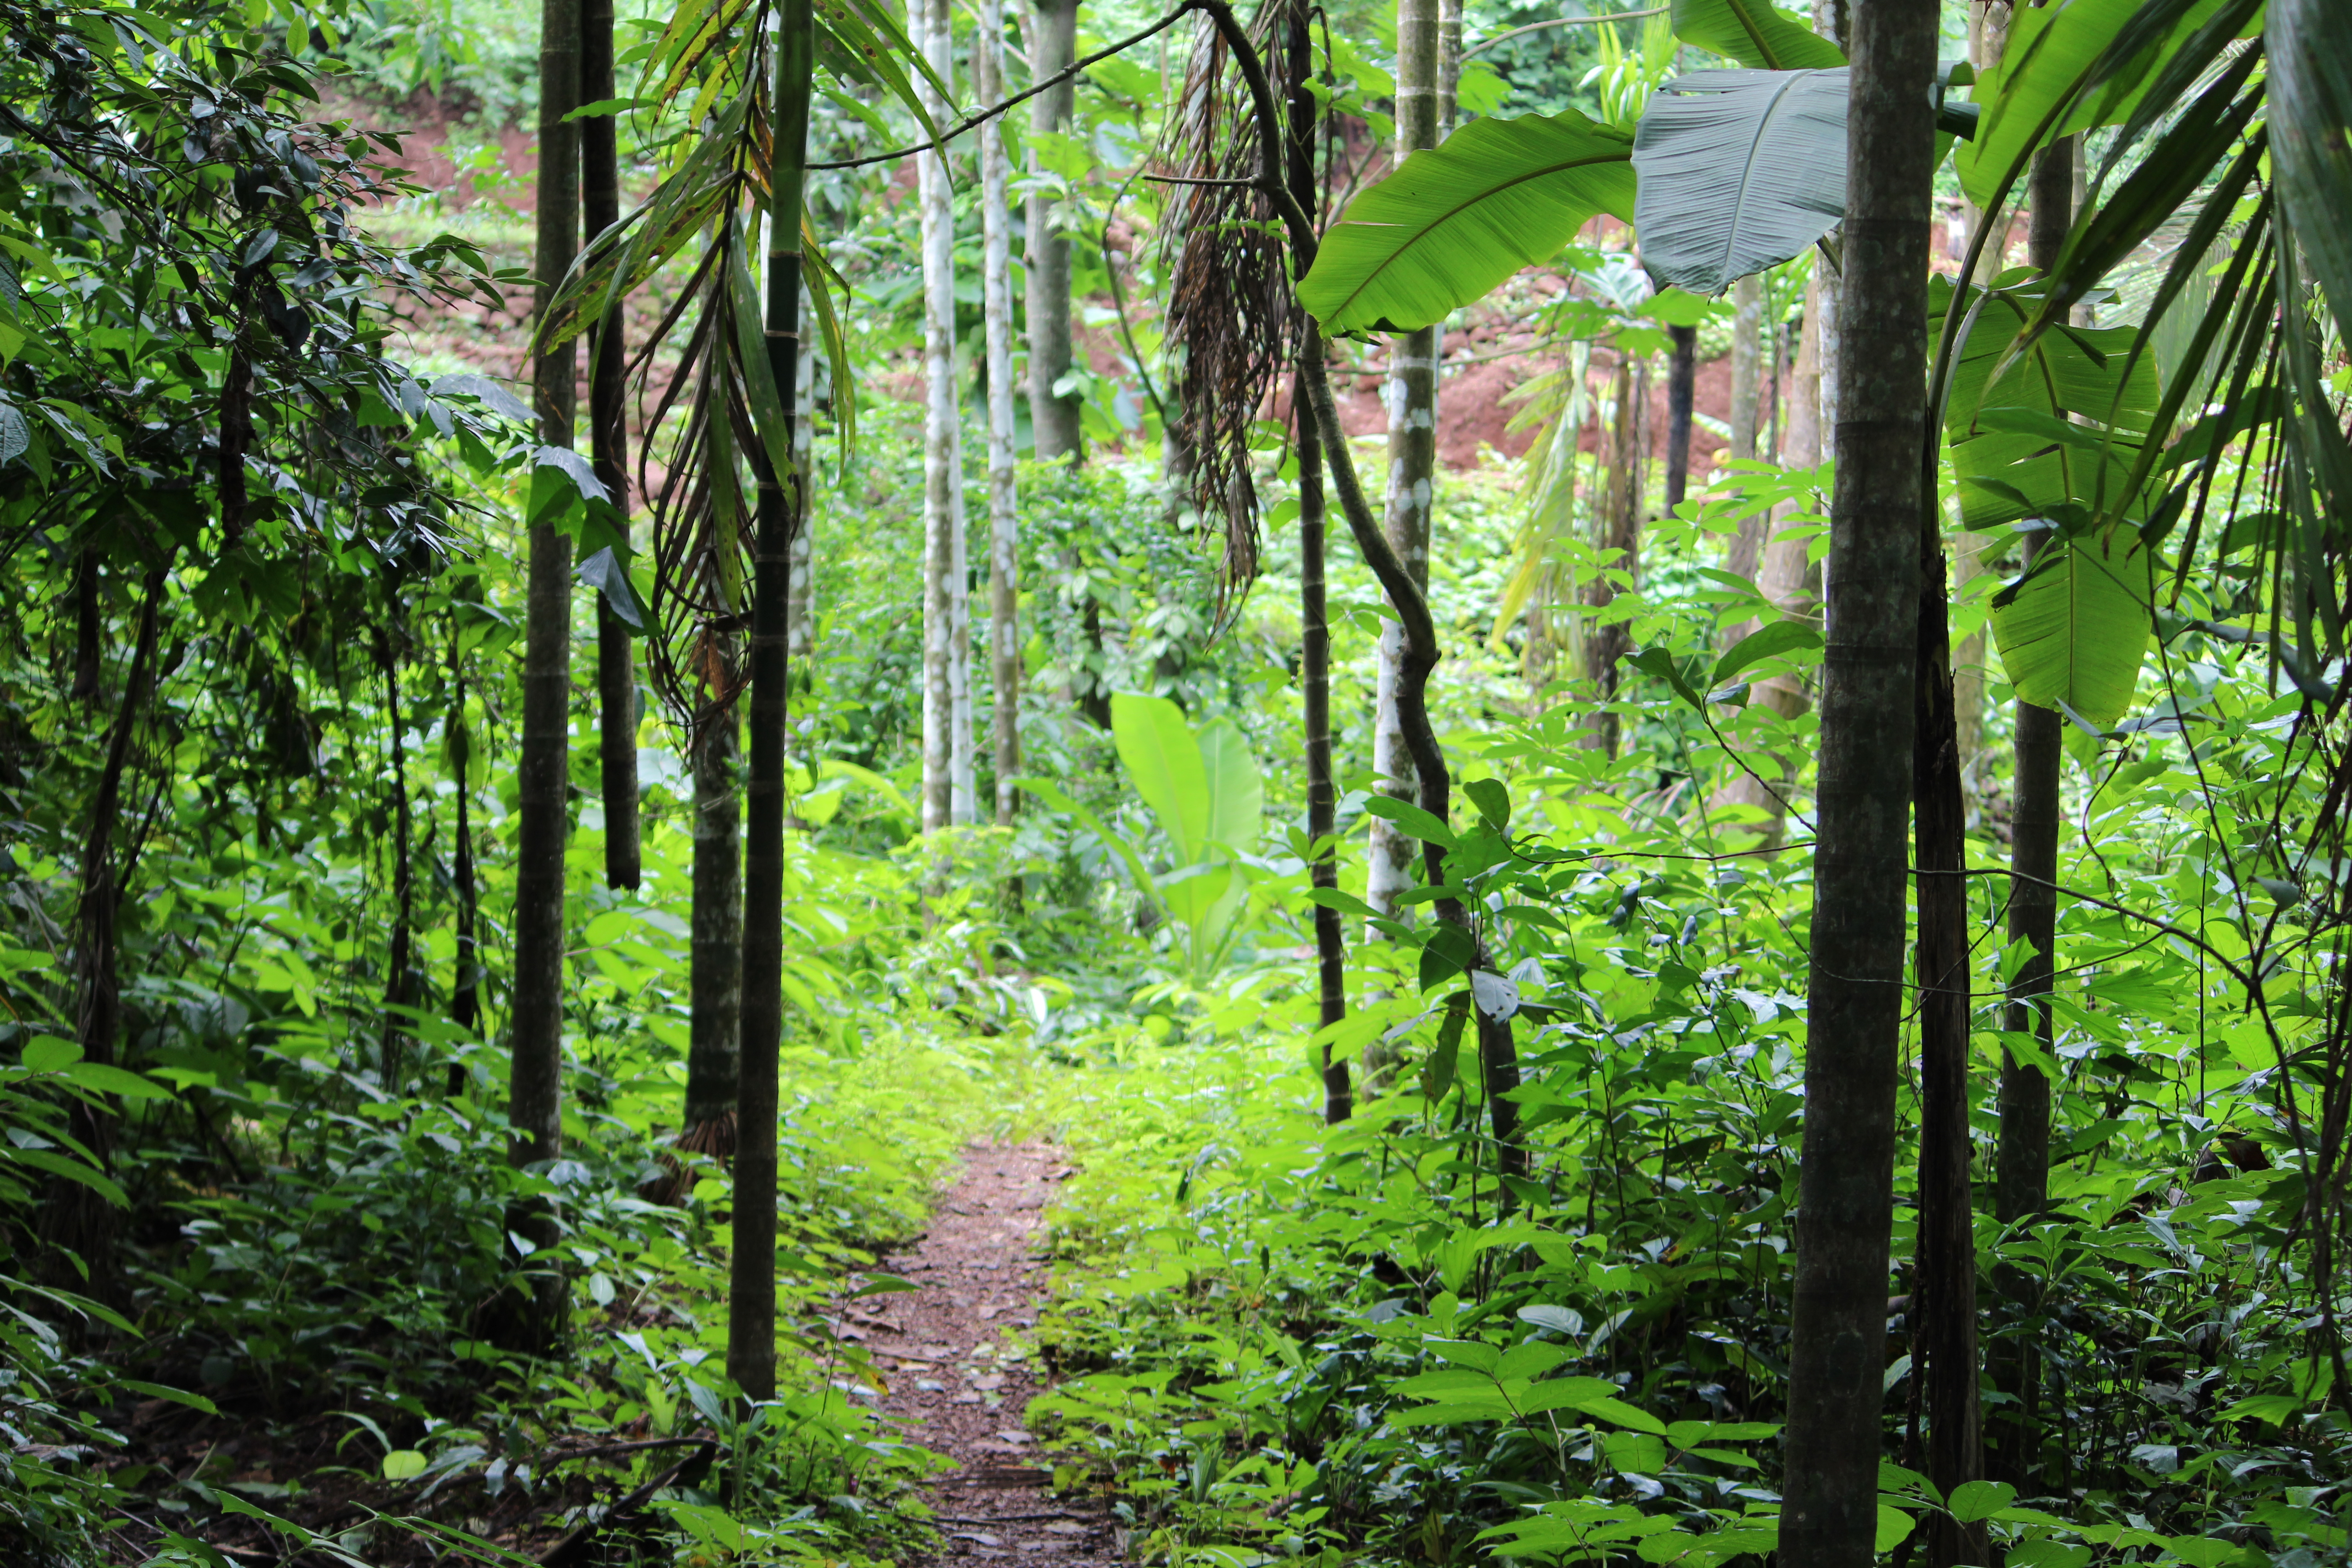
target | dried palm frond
[{"x": 1231, "y": 318}]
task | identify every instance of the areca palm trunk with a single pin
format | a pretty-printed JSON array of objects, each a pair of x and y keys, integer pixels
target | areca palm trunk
[
  {"x": 751, "y": 1281},
  {"x": 1004, "y": 516},
  {"x": 608, "y": 439},
  {"x": 1314, "y": 624},
  {"x": 1411, "y": 398},
  {"x": 1045, "y": 255},
  {"x": 1846, "y": 1180},
  {"x": 535, "y": 1088},
  {"x": 947, "y": 693}
]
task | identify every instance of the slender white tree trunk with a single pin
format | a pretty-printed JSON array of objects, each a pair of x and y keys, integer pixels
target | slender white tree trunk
[
  {"x": 1003, "y": 519},
  {"x": 928, "y": 20},
  {"x": 799, "y": 602},
  {"x": 1411, "y": 398}
]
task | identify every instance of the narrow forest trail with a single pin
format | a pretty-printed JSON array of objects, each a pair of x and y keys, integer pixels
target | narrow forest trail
[{"x": 958, "y": 1383}]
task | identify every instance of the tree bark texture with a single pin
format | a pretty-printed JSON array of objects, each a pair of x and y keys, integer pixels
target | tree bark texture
[
  {"x": 1682, "y": 390},
  {"x": 1746, "y": 364},
  {"x": 1618, "y": 537},
  {"x": 400, "y": 964},
  {"x": 1003, "y": 513},
  {"x": 87, "y": 625},
  {"x": 752, "y": 1280},
  {"x": 1053, "y": 417},
  {"x": 800, "y": 607},
  {"x": 465, "y": 984},
  {"x": 608, "y": 439},
  {"x": 1838, "y": 1327},
  {"x": 1411, "y": 394},
  {"x": 535, "y": 1085},
  {"x": 947, "y": 693},
  {"x": 715, "y": 1032},
  {"x": 73, "y": 1217},
  {"x": 1944, "y": 1271},
  {"x": 1305, "y": 117}
]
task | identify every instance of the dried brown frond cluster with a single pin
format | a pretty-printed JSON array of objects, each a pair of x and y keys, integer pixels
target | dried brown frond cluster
[{"x": 1231, "y": 317}]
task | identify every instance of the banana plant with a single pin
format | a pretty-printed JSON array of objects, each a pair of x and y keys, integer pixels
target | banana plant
[{"x": 1727, "y": 173}]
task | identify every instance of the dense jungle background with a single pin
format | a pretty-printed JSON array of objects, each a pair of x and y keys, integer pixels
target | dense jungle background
[{"x": 1170, "y": 832}]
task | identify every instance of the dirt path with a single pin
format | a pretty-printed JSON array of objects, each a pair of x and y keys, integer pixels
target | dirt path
[{"x": 957, "y": 1383}]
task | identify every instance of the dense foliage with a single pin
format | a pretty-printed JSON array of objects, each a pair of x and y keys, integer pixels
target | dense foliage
[{"x": 268, "y": 483}]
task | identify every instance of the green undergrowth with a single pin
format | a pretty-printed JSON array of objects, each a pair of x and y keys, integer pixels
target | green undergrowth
[{"x": 1375, "y": 1344}]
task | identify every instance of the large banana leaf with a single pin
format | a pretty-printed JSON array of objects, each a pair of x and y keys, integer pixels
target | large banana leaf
[
  {"x": 1237, "y": 795},
  {"x": 2310, "y": 107},
  {"x": 1739, "y": 169},
  {"x": 1457, "y": 220},
  {"x": 2074, "y": 631},
  {"x": 2060, "y": 73},
  {"x": 2038, "y": 437},
  {"x": 1164, "y": 762},
  {"x": 1754, "y": 32}
]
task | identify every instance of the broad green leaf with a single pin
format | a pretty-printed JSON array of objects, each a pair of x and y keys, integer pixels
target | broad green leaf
[
  {"x": 47, "y": 1053},
  {"x": 2077, "y": 626},
  {"x": 1741, "y": 170},
  {"x": 2310, "y": 107},
  {"x": 402, "y": 1464},
  {"x": 1624, "y": 1414},
  {"x": 1237, "y": 795},
  {"x": 1493, "y": 799},
  {"x": 1893, "y": 1524},
  {"x": 1416, "y": 822},
  {"x": 1973, "y": 1500},
  {"x": 1765, "y": 642},
  {"x": 101, "y": 1079},
  {"x": 1457, "y": 220},
  {"x": 1164, "y": 762},
  {"x": 1476, "y": 1355},
  {"x": 1566, "y": 1394},
  {"x": 57, "y": 1164},
  {"x": 2073, "y": 376},
  {"x": 1754, "y": 32}
]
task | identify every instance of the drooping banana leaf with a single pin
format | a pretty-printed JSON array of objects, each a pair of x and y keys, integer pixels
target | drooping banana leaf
[
  {"x": 1739, "y": 169},
  {"x": 2074, "y": 631},
  {"x": 1457, "y": 220},
  {"x": 1754, "y": 32},
  {"x": 2074, "y": 65},
  {"x": 2038, "y": 437}
]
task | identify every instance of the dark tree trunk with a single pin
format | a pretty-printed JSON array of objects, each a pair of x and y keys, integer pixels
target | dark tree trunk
[
  {"x": 1845, "y": 1182},
  {"x": 608, "y": 438},
  {"x": 1944, "y": 1271},
  {"x": 399, "y": 983},
  {"x": 2021, "y": 1159},
  {"x": 535, "y": 1090},
  {"x": 466, "y": 985},
  {"x": 89, "y": 618},
  {"x": 1682, "y": 388},
  {"x": 1314, "y": 624},
  {"x": 1421, "y": 650},
  {"x": 1052, "y": 419},
  {"x": 72, "y": 1217},
  {"x": 715, "y": 1044},
  {"x": 751, "y": 1286}
]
